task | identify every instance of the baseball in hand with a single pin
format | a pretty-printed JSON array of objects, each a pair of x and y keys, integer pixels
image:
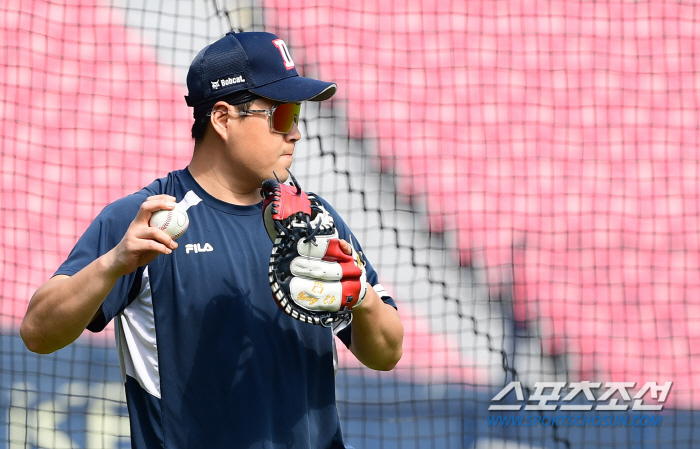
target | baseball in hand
[{"x": 173, "y": 222}]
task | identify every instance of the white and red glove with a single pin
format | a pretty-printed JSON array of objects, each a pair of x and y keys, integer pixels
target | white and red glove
[{"x": 311, "y": 278}]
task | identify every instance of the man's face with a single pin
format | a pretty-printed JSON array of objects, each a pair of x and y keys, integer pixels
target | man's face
[{"x": 257, "y": 153}]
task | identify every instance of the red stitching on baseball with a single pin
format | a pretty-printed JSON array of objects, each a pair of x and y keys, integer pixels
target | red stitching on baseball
[{"x": 167, "y": 221}]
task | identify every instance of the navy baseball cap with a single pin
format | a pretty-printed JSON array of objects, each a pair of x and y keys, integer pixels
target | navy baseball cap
[{"x": 257, "y": 62}]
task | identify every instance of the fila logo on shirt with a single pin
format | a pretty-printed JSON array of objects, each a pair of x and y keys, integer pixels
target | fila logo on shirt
[
  {"x": 198, "y": 248},
  {"x": 284, "y": 51}
]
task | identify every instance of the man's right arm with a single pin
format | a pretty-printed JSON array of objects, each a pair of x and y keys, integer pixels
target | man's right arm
[{"x": 63, "y": 306}]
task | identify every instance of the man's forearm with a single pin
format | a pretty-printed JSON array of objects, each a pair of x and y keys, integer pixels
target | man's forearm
[
  {"x": 377, "y": 333},
  {"x": 62, "y": 307}
]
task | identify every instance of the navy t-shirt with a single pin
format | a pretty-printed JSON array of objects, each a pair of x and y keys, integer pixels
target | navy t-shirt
[{"x": 207, "y": 357}]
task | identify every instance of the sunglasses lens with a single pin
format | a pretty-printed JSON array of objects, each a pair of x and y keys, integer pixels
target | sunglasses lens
[{"x": 285, "y": 116}]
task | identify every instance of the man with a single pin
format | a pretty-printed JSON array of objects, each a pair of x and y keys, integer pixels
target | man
[{"x": 208, "y": 359}]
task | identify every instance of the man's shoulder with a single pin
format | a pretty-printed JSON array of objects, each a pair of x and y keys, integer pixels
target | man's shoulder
[
  {"x": 336, "y": 216},
  {"x": 166, "y": 185},
  {"x": 323, "y": 202},
  {"x": 128, "y": 205}
]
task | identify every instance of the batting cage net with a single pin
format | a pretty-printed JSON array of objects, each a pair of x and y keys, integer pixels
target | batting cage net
[{"x": 523, "y": 175}]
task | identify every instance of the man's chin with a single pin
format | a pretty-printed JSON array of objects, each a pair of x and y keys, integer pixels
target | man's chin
[
  {"x": 282, "y": 175},
  {"x": 282, "y": 172}
]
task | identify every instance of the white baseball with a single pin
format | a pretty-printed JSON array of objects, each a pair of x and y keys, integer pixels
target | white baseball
[{"x": 173, "y": 222}]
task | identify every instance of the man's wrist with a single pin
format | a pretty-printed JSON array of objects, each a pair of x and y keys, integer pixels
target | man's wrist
[
  {"x": 109, "y": 265},
  {"x": 370, "y": 302}
]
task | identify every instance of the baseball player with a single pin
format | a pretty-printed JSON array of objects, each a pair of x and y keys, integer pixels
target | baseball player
[{"x": 208, "y": 358}]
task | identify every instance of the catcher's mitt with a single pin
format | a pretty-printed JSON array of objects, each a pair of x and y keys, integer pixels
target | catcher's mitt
[{"x": 311, "y": 278}]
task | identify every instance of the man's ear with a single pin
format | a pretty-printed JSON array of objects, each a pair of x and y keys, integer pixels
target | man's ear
[{"x": 219, "y": 118}]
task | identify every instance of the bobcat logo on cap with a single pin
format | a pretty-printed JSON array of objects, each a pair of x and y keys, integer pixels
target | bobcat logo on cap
[
  {"x": 223, "y": 82},
  {"x": 284, "y": 51}
]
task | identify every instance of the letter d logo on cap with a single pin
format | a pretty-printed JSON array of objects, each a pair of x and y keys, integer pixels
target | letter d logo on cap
[{"x": 284, "y": 51}]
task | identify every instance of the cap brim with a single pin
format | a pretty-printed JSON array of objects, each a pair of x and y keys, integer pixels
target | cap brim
[{"x": 297, "y": 89}]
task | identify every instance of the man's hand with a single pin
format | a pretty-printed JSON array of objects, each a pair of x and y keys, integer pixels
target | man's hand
[{"x": 142, "y": 243}]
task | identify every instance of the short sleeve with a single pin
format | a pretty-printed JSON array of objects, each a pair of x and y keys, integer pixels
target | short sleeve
[{"x": 103, "y": 234}]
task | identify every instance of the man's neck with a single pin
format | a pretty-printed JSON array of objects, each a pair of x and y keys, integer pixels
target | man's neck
[{"x": 218, "y": 182}]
